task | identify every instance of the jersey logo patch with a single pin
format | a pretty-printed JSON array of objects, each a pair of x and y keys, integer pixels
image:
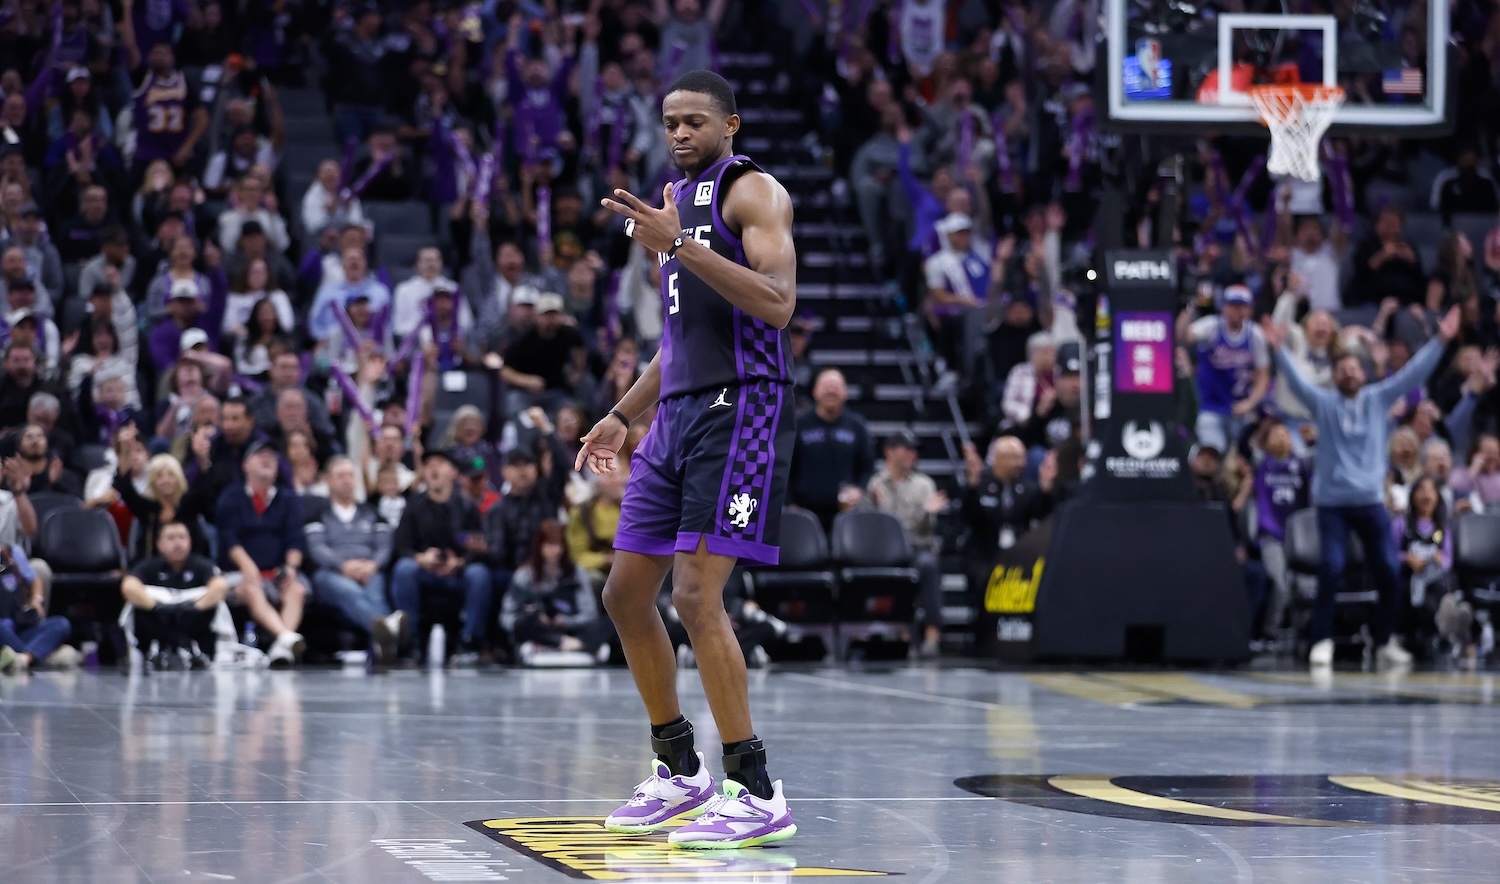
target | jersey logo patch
[
  {"x": 741, "y": 507},
  {"x": 704, "y": 195},
  {"x": 720, "y": 401}
]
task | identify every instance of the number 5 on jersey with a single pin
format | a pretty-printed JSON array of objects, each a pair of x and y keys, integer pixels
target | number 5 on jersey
[{"x": 672, "y": 294}]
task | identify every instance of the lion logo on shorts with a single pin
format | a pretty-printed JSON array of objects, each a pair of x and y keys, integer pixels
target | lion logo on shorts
[{"x": 741, "y": 507}]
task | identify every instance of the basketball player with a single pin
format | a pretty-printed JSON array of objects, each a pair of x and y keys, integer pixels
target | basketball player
[{"x": 708, "y": 482}]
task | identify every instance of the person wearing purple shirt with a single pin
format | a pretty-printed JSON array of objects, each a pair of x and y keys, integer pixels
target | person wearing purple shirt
[
  {"x": 1280, "y": 485},
  {"x": 539, "y": 98},
  {"x": 927, "y": 203},
  {"x": 196, "y": 304},
  {"x": 156, "y": 21},
  {"x": 1481, "y": 476},
  {"x": 708, "y": 482}
]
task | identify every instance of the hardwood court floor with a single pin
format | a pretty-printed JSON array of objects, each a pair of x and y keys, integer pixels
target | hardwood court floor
[{"x": 935, "y": 774}]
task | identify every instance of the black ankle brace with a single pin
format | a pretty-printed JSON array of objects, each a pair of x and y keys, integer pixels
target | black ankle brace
[
  {"x": 673, "y": 744},
  {"x": 745, "y": 763}
]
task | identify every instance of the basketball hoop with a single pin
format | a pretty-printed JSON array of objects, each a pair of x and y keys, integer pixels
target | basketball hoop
[{"x": 1297, "y": 115}]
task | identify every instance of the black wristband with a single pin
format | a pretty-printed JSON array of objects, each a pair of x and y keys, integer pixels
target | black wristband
[{"x": 623, "y": 419}]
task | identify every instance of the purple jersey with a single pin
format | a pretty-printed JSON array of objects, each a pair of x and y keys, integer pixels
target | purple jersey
[
  {"x": 161, "y": 117},
  {"x": 707, "y": 342},
  {"x": 1226, "y": 369},
  {"x": 1280, "y": 490},
  {"x": 539, "y": 110}
]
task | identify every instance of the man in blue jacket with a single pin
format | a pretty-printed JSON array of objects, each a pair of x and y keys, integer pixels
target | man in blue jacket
[
  {"x": 1348, "y": 486},
  {"x": 261, "y": 545}
]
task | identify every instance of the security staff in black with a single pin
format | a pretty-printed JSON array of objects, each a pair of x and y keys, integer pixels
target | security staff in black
[
  {"x": 175, "y": 595},
  {"x": 1001, "y": 506}
]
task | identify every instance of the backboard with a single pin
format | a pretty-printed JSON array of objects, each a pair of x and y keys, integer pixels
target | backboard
[{"x": 1165, "y": 61}]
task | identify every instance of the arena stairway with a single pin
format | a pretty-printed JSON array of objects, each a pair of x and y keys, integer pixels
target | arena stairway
[{"x": 859, "y": 325}]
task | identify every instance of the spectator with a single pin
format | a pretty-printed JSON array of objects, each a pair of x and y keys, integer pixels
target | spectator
[
  {"x": 464, "y": 440},
  {"x": 286, "y": 375},
  {"x": 356, "y": 281},
  {"x": 1233, "y": 367},
  {"x": 253, "y": 246},
  {"x": 834, "y": 457},
  {"x": 107, "y": 409},
  {"x": 504, "y": 295},
  {"x": 1424, "y": 547},
  {"x": 412, "y": 295},
  {"x": 687, "y": 34},
  {"x": 188, "y": 306},
  {"x": 1464, "y": 187},
  {"x": 510, "y": 525},
  {"x": 249, "y": 203},
  {"x": 437, "y": 547},
  {"x": 252, "y": 285},
  {"x": 1001, "y": 507},
  {"x": 174, "y": 599},
  {"x": 1314, "y": 261},
  {"x": 306, "y": 474},
  {"x": 323, "y": 206},
  {"x": 1437, "y": 465},
  {"x": 1031, "y": 381},
  {"x": 1279, "y": 485},
  {"x": 593, "y": 523},
  {"x": 1406, "y": 467},
  {"x": 958, "y": 281},
  {"x": 623, "y": 371},
  {"x": 169, "y": 121},
  {"x": 1386, "y": 265},
  {"x": 19, "y": 384},
  {"x": 1480, "y": 477},
  {"x": 450, "y": 333},
  {"x": 27, "y": 635},
  {"x": 228, "y": 167},
  {"x": 112, "y": 270},
  {"x": 253, "y": 339},
  {"x": 389, "y": 452},
  {"x": 911, "y": 496},
  {"x": 1453, "y": 280},
  {"x": 1348, "y": 481},
  {"x": 545, "y": 365},
  {"x": 391, "y": 180},
  {"x": 357, "y": 54},
  {"x": 45, "y": 468},
  {"x": 218, "y": 457},
  {"x": 18, "y": 275},
  {"x": 550, "y": 604},
  {"x": 260, "y": 548},
  {"x": 165, "y": 499},
  {"x": 351, "y": 547},
  {"x": 293, "y": 416},
  {"x": 1058, "y": 414},
  {"x": 41, "y": 256}
]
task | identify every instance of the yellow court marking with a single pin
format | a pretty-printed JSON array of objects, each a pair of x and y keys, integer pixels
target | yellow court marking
[
  {"x": 1086, "y": 687},
  {"x": 1102, "y": 788},
  {"x": 1411, "y": 789},
  {"x": 1181, "y": 686}
]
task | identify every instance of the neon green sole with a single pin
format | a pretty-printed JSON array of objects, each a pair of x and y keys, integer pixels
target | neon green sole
[
  {"x": 646, "y": 830},
  {"x": 772, "y": 838}
]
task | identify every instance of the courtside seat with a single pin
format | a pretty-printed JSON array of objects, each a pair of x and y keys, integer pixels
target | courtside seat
[
  {"x": 877, "y": 583},
  {"x": 802, "y": 590}
]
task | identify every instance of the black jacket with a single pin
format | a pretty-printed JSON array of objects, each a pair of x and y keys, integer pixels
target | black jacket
[
  {"x": 429, "y": 525},
  {"x": 992, "y": 506},
  {"x": 511, "y": 524}
]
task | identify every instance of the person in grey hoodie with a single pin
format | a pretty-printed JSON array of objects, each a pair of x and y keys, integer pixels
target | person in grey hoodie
[{"x": 1348, "y": 483}]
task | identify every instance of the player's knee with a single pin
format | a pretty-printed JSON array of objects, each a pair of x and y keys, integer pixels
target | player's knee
[{"x": 695, "y": 602}]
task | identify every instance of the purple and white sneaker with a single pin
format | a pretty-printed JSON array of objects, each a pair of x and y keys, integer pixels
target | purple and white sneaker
[
  {"x": 737, "y": 818},
  {"x": 662, "y": 798}
]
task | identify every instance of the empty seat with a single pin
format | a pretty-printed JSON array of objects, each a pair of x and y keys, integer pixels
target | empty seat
[
  {"x": 316, "y": 130},
  {"x": 400, "y": 218},
  {"x": 877, "y": 584},
  {"x": 92, "y": 457},
  {"x": 400, "y": 249},
  {"x": 452, "y": 393},
  {"x": 304, "y": 159},
  {"x": 801, "y": 589},
  {"x": 87, "y": 559},
  {"x": 45, "y": 503},
  {"x": 1476, "y": 555}
]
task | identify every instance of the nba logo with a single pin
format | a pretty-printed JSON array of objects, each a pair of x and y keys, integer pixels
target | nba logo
[{"x": 1147, "y": 54}]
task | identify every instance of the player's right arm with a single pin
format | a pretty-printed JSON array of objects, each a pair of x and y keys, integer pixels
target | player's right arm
[{"x": 604, "y": 441}]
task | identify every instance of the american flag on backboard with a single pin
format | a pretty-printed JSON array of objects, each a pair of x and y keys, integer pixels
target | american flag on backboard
[{"x": 1401, "y": 81}]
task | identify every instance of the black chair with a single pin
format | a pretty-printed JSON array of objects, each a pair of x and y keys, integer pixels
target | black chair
[
  {"x": 877, "y": 583},
  {"x": 45, "y": 503},
  {"x": 92, "y": 457},
  {"x": 409, "y": 218},
  {"x": 87, "y": 559},
  {"x": 1476, "y": 558},
  {"x": 1304, "y": 555},
  {"x": 802, "y": 590},
  {"x": 401, "y": 249}
]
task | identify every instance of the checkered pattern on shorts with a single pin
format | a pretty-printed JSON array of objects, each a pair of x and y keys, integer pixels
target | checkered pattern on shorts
[{"x": 752, "y": 456}]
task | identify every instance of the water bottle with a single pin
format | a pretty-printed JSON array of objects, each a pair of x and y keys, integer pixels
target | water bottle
[
  {"x": 437, "y": 645},
  {"x": 90, "y": 655},
  {"x": 249, "y": 637}
]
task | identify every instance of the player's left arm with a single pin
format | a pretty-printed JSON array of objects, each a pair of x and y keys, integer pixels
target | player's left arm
[{"x": 767, "y": 289}]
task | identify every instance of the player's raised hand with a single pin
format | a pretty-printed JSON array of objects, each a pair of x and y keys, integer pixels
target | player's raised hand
[
  {"x": 656, "y": 229},
  {"x": 601, "y": 445}
]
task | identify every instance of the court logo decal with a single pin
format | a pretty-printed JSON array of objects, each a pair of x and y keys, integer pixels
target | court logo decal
[
  {"x": 580, "y": 847},
  {"x": 1309, "y": 801}
]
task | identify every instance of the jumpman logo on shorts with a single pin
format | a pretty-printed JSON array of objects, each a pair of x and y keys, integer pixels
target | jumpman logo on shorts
[{"x": 721, "y": 400}]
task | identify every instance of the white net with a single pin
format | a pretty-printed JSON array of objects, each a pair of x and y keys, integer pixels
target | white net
[{"x": 1297, "y": 117}]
